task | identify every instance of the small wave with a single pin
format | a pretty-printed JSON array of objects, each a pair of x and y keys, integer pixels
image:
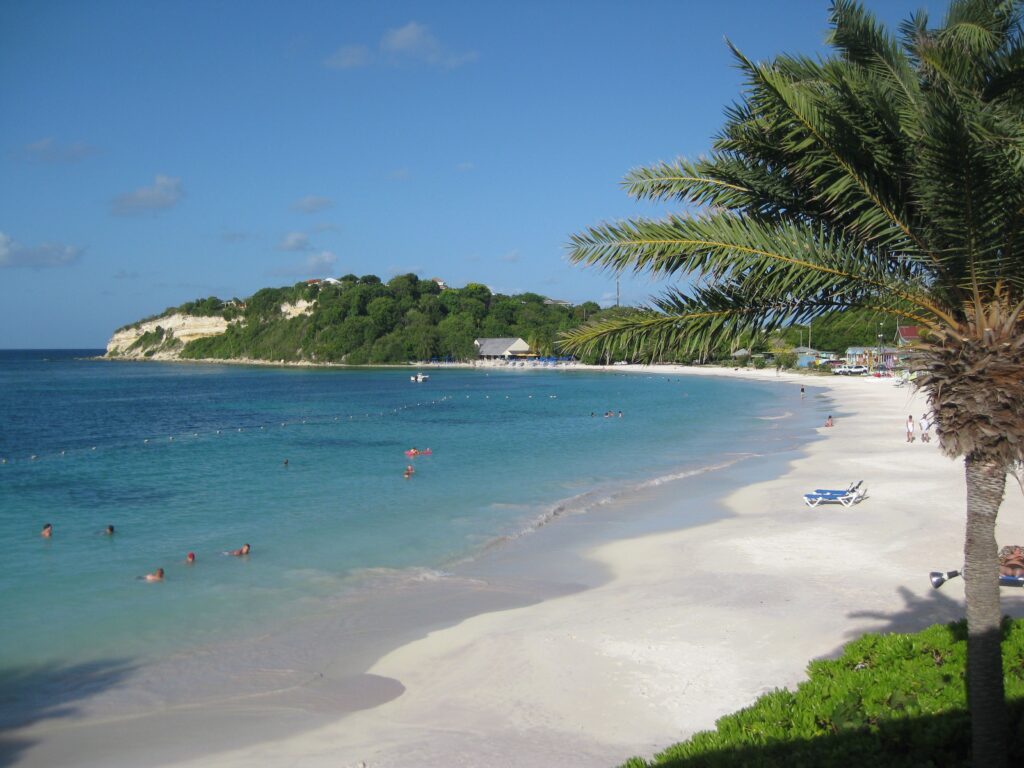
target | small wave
[
  {"x": 588, "y": 501},
  {"x": 785, "y": 415}
]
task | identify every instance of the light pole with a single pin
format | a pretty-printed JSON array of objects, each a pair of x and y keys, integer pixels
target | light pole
[{"x": 878, "y": 366}]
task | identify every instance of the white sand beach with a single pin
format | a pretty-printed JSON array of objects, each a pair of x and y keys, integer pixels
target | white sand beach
[
  {"x": 693, "y": 624},
  {"x": 616, "y": 649}
]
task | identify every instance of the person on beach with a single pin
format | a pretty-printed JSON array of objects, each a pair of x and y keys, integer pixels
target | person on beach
[
  {"x": 157, "y": 575},
  {"x": 47, "y": 531},
  {"x": 801, "y": 392},
  {"x": 1011, "y": 561},
  {"x": 910, "y": 428},
  {"x": 925, "y": 426},
  {"x": 828, "y": 421},
  {"x": 190, "y": 558},
  {"x": 245, "y": 549},
  {"x": 109, "y": 531}
]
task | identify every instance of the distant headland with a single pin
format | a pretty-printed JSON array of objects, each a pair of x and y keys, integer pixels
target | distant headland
[{"x": 349, "y": 320}]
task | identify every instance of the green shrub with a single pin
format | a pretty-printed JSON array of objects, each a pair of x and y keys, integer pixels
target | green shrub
[{"x": 889, "y": 700}]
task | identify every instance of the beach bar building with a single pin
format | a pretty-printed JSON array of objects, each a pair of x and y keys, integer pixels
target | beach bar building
[{"x": 501, "y": 349}]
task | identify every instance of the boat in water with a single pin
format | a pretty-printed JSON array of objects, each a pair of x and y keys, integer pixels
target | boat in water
[{"x": 419, "y": 378}]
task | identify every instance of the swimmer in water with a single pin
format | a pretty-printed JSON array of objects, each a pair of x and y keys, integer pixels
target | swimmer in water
[
  {"x": 47, "y": 531},
  {"x": 109, "y": 531},
  {"x": 286, "y": 462},
  {"x": 245, "y": 549},
  {"x": 190, "y": 558},
  {"x": 157, "y": 575}
]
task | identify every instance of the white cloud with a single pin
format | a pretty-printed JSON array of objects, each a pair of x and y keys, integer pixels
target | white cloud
[
  {"x": 294, "y": 241},
  {"x": 415, "y": 43},
  {"x": 320, "y": 263},
  {"x": 14, "y": 254},
  {"x": 312, "y": 204},
  {"x": 511, "y": 257},
  {"x": 49, "y": 150},
  {"x": 164, "y": 193},
  {"x": 349, "y": 57}
]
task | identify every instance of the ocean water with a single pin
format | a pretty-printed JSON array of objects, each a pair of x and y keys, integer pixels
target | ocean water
[{"x": 182, "y": 457}]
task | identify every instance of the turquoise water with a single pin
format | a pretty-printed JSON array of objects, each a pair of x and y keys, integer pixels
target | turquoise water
[{"x": 186, "y": 458}]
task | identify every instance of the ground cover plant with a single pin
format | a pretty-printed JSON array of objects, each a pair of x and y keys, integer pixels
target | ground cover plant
[{"x": 889, "y": 700}]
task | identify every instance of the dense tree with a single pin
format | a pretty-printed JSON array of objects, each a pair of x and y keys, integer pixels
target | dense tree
[
  {"x": 362, "y": 320},
  {"x": 886, "y": 177}
]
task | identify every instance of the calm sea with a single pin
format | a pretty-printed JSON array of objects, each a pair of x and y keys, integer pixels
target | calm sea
[{"x": 190, "y": 458}]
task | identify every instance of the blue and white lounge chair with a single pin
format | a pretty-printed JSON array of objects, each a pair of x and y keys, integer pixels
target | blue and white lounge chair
[
  {"x": 847, "y": 497},
  {"x": 852, "y": 488},
  {"x": 938, "y": 578}
]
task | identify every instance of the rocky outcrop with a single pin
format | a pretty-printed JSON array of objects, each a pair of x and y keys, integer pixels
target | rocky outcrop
[
  {"x": 300, "y": 307},
  {"x": 164, "y": 337}
]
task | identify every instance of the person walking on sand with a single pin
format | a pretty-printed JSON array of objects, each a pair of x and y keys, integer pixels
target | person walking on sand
[
  {"x": 910, "y": 428},
  {"x": 925, "y": 426}
]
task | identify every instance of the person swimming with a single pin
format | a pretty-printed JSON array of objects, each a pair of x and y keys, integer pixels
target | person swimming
[
  {"x": 157, "y": 575},
  {"x": 244, "y": 550},
  {"x": 47, "y": 531},
  {"x": 190, "y": 558},
  {"x": 109, "y": 531}
]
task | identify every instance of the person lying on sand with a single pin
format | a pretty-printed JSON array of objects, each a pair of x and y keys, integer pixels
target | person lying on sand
[
  {"x": 1011, "y": 560},
  {"x": 239, "y": 552}
]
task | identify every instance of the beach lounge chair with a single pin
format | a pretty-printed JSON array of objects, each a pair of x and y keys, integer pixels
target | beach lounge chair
[
  {"x": 847, "y": 498},
  {"x": 938, "y": 578},
  {"x": 851, "y": 488}
]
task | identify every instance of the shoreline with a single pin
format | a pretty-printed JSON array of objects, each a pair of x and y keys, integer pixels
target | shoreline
[
  {"x": 667, "y": 639},
  {"x": 680, "y": 635}
]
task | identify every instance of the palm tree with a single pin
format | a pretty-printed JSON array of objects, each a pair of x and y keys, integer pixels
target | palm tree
[{"x": 888, "y": 177}]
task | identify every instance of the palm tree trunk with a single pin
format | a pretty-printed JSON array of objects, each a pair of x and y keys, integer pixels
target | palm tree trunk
[{"x": 986, "y": 481}]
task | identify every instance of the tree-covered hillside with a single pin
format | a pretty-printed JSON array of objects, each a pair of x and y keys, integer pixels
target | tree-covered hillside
[{"x": 361, "y": 320}]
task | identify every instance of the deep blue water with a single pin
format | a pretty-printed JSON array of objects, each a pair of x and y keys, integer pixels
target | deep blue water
[{"x": 182, "y": 457}]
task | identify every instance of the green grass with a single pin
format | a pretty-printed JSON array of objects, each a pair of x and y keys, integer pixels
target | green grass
[{"x": 889, "y": 700}]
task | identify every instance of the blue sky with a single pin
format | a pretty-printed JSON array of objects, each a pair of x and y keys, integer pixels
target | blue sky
[{"x": 156, "y": 152}]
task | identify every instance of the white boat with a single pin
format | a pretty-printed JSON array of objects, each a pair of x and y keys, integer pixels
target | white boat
[{"x": 419, "y": 378}]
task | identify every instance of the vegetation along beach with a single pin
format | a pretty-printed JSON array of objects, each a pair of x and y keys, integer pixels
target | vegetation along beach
[{"x": 447, "y": 452}]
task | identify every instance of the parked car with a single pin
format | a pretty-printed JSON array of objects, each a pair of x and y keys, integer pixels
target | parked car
[{"x": 850, "y": 370}]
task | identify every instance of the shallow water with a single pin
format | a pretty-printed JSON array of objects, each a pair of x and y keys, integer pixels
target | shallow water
[{"x": 191, "y": 458}]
